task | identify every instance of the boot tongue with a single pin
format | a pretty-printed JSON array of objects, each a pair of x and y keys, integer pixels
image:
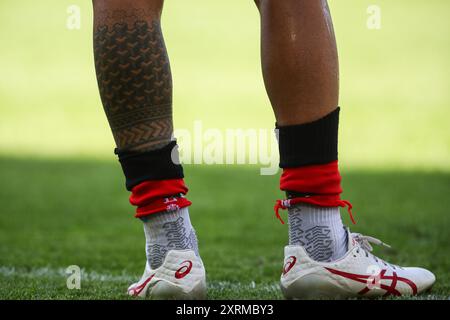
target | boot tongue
[{"x": 351, "y": 243}]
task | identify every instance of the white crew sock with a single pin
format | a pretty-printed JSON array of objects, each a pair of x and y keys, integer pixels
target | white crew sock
[
  {"x": 166, "y": 231},
  {"x": 319, "y": 230}
]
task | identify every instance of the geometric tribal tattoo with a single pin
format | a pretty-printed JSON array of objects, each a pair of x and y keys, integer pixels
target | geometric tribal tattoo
[{"x": 135, "y": 83}]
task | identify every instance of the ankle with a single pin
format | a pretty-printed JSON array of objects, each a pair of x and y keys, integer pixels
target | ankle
[
  {"x": 319, "y": 230},
  {"x": 168, "y": 231}
]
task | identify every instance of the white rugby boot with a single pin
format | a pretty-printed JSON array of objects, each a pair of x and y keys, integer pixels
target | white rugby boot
[
  {"x": 357, "y": 274},
  {"x": 180, "y": 277}
]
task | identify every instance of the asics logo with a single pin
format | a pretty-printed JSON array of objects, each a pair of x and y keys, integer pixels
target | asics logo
[
  {"x": 371, "y": 282},
  {"x": 289, "y": 264},
  {"x": 138, "y": 289},
  {"x": 184, "y": 270}
]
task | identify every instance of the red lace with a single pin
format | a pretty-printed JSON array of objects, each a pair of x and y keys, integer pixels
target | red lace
[{"x": 287, "y": 203}]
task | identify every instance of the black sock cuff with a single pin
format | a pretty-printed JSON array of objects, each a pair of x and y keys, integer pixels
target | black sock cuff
[
  {"x": 310, "y": 143},
  {"x": 160, "y": 164}
]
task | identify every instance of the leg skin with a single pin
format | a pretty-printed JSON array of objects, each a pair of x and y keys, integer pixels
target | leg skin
[
  {"x": 299, "y": 59},
  {"x": 133, "y": 72}
]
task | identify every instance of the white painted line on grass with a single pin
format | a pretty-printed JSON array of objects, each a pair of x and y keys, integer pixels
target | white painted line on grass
[{"x": 53, "y": 273}]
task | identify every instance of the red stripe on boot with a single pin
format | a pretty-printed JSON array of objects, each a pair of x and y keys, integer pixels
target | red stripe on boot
[
  {"x": 159, "y": 196},
  {"x": 322, "y": 183}
]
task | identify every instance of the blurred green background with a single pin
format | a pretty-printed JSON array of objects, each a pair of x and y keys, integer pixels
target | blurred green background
[{"x": 61, "y": 190}]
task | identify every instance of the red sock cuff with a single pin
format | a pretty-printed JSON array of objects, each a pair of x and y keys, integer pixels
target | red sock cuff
[
  {"x": 321, "y": 184},
  {"x": 322, "y": 179},
  {"x": 159, "y": 196}
]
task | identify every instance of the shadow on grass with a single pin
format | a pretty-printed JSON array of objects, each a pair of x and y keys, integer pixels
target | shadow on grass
[{"x": 55, "y": 213}]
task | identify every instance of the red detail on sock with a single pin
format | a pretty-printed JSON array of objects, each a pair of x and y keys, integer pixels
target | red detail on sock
[
  {"x": 148, "y": 191},
  {"x": 322, "y": 179},
  {"x": 162, "y": 205},
  {"x": 322, "y": 183},
  {"x": 159, "y": 196}
]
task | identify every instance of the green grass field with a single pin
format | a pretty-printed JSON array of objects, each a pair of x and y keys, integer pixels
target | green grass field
[
  {"x": 62, "y": 200},
  {"x": 75, "y": 212}
]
